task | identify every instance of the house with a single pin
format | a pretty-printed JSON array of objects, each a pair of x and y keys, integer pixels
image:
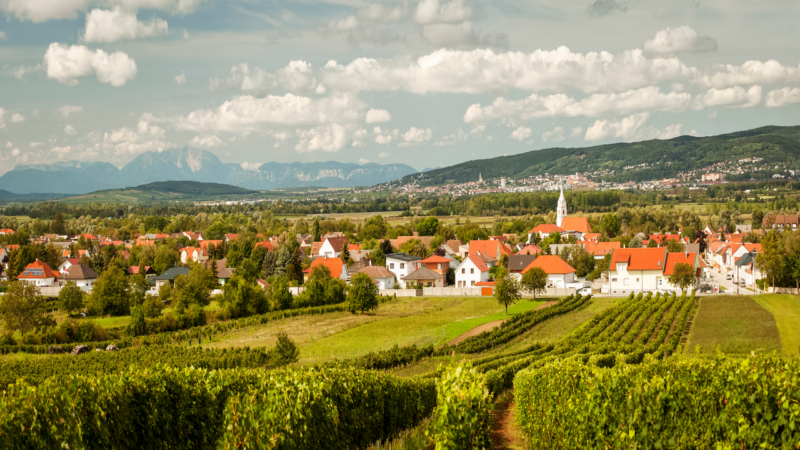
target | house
[
  {"x": 425, "y": 277},
  {"x": 39, "y": 273},
  {"x": 600, "y": 249},
  {"x": 591, "y": 237},
  {"x": 80, "y": 253},
  {"x": 517, "y": 263},
  {"x": 82, "y": 275},
  {"x": 193, "y": 236},
  {"x": 231, "y": 237},
  {"x": 4, "y": 256},
  {"x": 471, "y": 271},
  {"x": 332, "y": 247},
  {"x": 452, "y": 247},
  {"x": 205, "y": 244},
  {"x": 64, "y": 267},
  {"x": 148, "y": 271},
  {"x": 662, "y": 239},
  {"x": 353, "y": 247},
  {"x": 495, "y": 249},
  {"x": 529, "y": 250},
  {"x": 401, "y": 265},
  {"x": 426, "y": 240},
  {"x": 781, "y": 222},
  {"x": 3, "y": 274},
  {"x": 335, "y": 265},
  {"x": 224, "y": 274},
  {"x": 646, "y": 269},
  {"x": 195, "y": 254},
  {"x": 747, "y": 270},
  {"x": 544, "y": 230},
  {"x": 559, "y": 273},
  {"x": 264, "y": 285},
  {"x": 360, "y": 255},
  {"x": 6, "y": 231},
  {"x": 266, "y": 244},
  {"x": 381, "y": 275},
  {"x": 169, "y": 276},
  {"x": 576, "y": 226},
  {"x": 438, "y": 264}
]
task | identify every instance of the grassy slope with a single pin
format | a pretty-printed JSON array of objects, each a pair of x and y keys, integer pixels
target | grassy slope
[
  {"x": 735, "y": 324},
  {"x": 786, "y": 310}
]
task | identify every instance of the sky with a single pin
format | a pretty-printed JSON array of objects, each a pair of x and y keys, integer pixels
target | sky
[{"x": 426, "y": 83}]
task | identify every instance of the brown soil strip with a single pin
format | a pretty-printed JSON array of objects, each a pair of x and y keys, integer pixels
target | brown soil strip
[{"x": 505, "y": 434}]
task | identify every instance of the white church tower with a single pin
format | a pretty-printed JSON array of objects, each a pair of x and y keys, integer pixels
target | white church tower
[{"x": 561, "y": 209}]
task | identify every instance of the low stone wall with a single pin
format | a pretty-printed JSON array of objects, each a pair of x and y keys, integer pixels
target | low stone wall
[
  {"x": 401, "y": 292},
  {"x": 781, "y": 290},
  {"x": 452, "y": 292}
]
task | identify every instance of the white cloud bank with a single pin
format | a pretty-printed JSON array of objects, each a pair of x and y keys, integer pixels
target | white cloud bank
[
  {"x": 631, "y": 128},
  {"x": 378, "y": 116},
  {"x": 671, "y": 41},
  {"x": 44, "y": 10},
  {"x": 67, "y": 64},
  {"x": 116, "y": 24}
]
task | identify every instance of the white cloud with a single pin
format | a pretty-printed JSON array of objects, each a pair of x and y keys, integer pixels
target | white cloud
[
  {"x": 21, "y": 71},
  {"x": 180, "y": 79},
  {"x": 521, "y": 133},
  {"x": 68, "y": 63},
  {"x": 116, "y": 24},
  {"x": 577, "y": 131},
  {"x": 378, "y": 116},
  {"x": 15, "y": 152},
  {"x": 670, "y": 41},
  {"x": 9, "y": 144},
  {"x": 751, "y": 72},
  {"x": 416, "y": 136},
  {"x": 206, "y": 141},
  {"x": 484, "y": 71},
  {"x": 362, "y": 161},
  {"x": 251, "y": 166},
  {"x": 433, "y": 11},
  {"x": 2, "y": 35},
  {"x": 383, "y": 155},
  {"x": 34, "y": 144},
  {"x": 66, "y": 110},
  {"x": 2, "y": 118},
  {"x": 631, "y": 128},
  {"x": 328, "y": 138},
  {"x": 43, "y": 10},
  {"x": 70, "y": 130},
  {"x": 600, "y": 8},
  {"x": 452, "y": 139},
  {"x": 17, "y": 118},
  {"x": 735, "y": 97},
  {"x": 297, "y": 76},
  {"x": 554, "y": 135},
  {"x": 248, "y": 113},
  {"x": 560, "y": 105},
  {"x": 146, "y": 137},
  {"x": 358, "y": 138},
  {"x": 782, "y": 97}
]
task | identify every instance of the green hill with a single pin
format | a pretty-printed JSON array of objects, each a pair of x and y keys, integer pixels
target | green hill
[
  {"x": 666, "y": 158},
  {"x": 165, "y": 191},
  {"x": 193, "y": 188}
]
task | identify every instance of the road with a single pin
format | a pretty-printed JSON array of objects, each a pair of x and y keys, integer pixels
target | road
[{"x": 727, "y": 284}]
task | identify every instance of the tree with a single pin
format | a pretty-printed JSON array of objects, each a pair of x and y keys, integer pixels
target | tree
[
  {"x": 386, "y": 247},
  {"x": 534, "y": 280},
  {"x": 241, "y": 299},
  {"x": 345, "y": 255},
  {"x": 110, "y": 294},
  {"x": 165, "y": 258},
  {"x": 269, "y": 265},
  {"x": 362, "y": 294},
  {"x": 675, "y": 246},
  {"x": 758, "y": 218},
  {"x": 427, "y": 226},
  {"x": 610, "y": 224},
  {"x": 57, "y": 225},
  {"x": 70, "y": 298},
  {"x": 769, "y": 261},
  {"x": 683, "y": 276},
  {"x": 652, "y": 243},
  {"x": 285, "y": 351},
  {"x": 506, "y": 289},
  {"x": 315, "y": 230},
  {"x": 138, "y": 324},
  {"x": 194, "y": 288},
  {"x": 635, "y": 242},
  {"x": 278, "y": 294},
  {"x": 23, "y": 309}
]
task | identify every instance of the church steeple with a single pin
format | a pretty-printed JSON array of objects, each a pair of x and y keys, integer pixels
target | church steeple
[{"x": 561, "y": 208}]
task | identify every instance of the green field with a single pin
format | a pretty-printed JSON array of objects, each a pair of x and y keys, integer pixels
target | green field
[
  {"x": 786, "y": 310},
  {"x": 734, "y": 324}
]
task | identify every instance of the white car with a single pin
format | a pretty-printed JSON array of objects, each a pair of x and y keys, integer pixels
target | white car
[
  {"x": 585, "y": 291},
  {"x": 728, "y": 277}
]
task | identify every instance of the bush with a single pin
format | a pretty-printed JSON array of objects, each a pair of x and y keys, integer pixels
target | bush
[{"x": 461, "y": 419}]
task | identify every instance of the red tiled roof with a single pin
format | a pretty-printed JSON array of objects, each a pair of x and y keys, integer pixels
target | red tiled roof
[
  {"x": 478, "y": 263},
  {"x": 639, "y": 258},
  {"x": 491, "y": 248},
  {"x": 547, "y": 228},
  {"x": 134, "y": 270},
  {"x": 377, "y": 272},
  {"x": 7, "y": 231},
  {"x": 12, "y": 247},
  {"x": 591, "y": 236},
  {"x": 205, "y": 244},
  {"x": 675, "y": 258},
  {"x": 336, "y": 242},
  {"x": 484, "y": 283},
  {"x": 663, "y": 238},
  {"x": 265, "y": 244},
  {"x": 37, "y": 270},
  {"x": 579, "y": 224},
  {"x": 753, "y": 247},
  {"x": 232, "y": 237},
  {"x": 352, "y": 247},
  {"x": 600, "y": 248},
  {"x": 551, "y": 264},
  {"x": 434, "y": 259},
  {"x": 333, "y": 264},
  {"x": 534, "y": 250}
]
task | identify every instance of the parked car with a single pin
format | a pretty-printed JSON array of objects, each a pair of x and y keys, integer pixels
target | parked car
[
  {"x": 728, "y": 277},
  {"x": 585, "y": 291}
]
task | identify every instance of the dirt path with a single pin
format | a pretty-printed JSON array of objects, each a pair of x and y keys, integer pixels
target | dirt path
[
  {"x": 488, "y": 326},
  {"x": 505, "y": 434}
]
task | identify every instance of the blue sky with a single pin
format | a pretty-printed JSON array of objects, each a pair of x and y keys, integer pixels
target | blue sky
[{"x": 425, "y": 83}]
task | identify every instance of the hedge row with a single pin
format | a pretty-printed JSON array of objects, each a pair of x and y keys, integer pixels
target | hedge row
[
  {"x": 461, "y": 419},
  {"x": 186, "y": 408},
  {"x": 672, "y": 403}
]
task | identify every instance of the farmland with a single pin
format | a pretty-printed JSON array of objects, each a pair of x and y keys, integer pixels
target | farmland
[{"x": 733, "y": 324}]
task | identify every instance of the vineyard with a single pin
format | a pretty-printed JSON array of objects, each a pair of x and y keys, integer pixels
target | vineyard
[{"x": 613, "y": 382}]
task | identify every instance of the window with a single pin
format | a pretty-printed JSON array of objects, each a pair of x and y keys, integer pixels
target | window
[
  {"x": 402, "y": 265},
  {"x": 637, "y": 280},
  {"x": 471, "y": 270},
  {"x": 391, "y": 265},
  {"x": 473, "y": 282},
  {"x": 626, "y": 281},
  {"x": 463, "y": 271},
  {"x": 439, "y": 266},
  {"x": 613, "y": 280}
]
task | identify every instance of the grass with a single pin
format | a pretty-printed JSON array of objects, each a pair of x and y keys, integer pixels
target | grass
[
  {"x": 407, "y": 320},
  {"x": 733, "y": 324},
  {"x": 786, "y": 310}
]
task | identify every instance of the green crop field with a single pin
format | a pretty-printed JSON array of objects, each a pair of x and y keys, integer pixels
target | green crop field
[
  {"x": 732, "y": 324},
  {"x": 786, "y": 310}
]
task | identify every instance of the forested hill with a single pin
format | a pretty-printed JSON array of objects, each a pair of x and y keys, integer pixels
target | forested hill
[
  {"x": 193, "y": 188},
  {"x": 667, "y": 157}
]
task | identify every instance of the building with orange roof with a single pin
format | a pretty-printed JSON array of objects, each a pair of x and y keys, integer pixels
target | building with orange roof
[
  {"x": 39, "y": 273},
  {"x": 559, "y": 273},
  {"x": 438, "y": 264},
  {"x": 576, "y": 226},
  {"x": 12, "y": 247},
  {"x": 529, "y": 250},
  {"x": 335, "y": 265},
  {"x": 591, "y": 237},
  {"x": 6, "y": 231},
  {"x": 472, "y": 270},
  {"x": 495, "y": 249},
  {"x": 195, "y": 254},
  {"x": 266, "y": 244},
  {"x": 544, "y": 230},
  {"x": 600, "y": 249},
  {"x": 646, "y": 269},
  {"x": 204, "y": 244},
  {"x": 381, "y": 275},
  {"x": 332, "y": 246}
]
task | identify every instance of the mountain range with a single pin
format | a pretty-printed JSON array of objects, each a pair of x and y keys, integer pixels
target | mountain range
[
  {"x": 191, "y": 164},
  {"x": 654, "y": 159}
]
